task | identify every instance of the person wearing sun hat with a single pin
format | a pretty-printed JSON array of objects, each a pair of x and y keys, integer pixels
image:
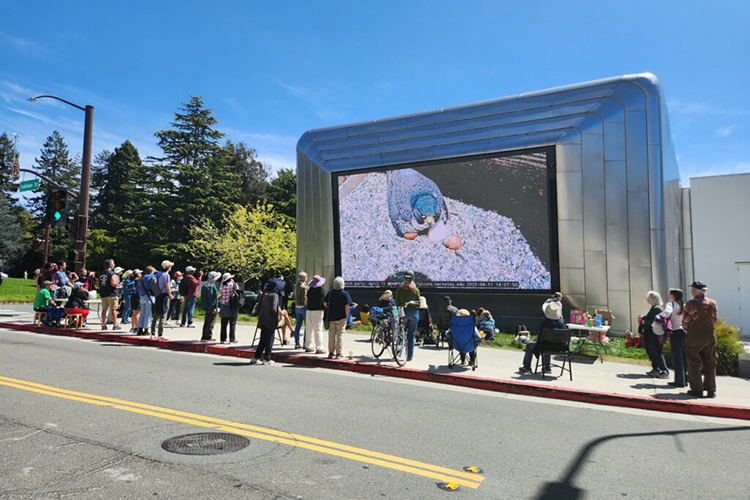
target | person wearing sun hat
[
  {"x": 552, "y": 310},
  {"x": 314, "y": 320},
  {"x": 227, "y": 313},
  {"x": 700, "y": 315},
  {"x": 210, "y": 304}
]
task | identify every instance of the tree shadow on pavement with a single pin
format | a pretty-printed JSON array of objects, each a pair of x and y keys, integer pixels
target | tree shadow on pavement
[{"x": 565, "y": 489}]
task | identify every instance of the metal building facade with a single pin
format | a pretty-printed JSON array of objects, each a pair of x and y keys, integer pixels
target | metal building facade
[{"x": 618, "y": 184}]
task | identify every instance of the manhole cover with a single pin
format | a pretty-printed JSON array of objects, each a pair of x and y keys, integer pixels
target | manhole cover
[{"x": 205, "y": 443}]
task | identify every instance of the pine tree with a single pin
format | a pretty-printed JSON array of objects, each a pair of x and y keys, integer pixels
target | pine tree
[
  {"x": 201, "y": 182},
  {"x": 10, "y": 234},
  {"x": 252, "y": 173},
  {"x": 7, "y": 157},
  {"x": 55, "y": 162},
  {"x": 282, "y": 194}
]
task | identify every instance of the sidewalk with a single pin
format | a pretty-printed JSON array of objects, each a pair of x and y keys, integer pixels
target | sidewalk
[{"x": 611, "y": 383}]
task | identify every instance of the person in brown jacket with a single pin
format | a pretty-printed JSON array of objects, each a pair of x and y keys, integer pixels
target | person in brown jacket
[{"x": 700, "y": 348}]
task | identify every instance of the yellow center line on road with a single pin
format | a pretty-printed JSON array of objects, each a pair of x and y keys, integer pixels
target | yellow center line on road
[{"x": 305, "y": 442}]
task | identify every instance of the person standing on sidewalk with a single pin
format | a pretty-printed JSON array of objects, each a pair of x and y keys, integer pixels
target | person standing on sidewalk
[
  {"x": 338, "y": 302},
  {"x": 209, "y": 304},
  {"x": 674, "y": 311},
  {"x": 108, "y": 291},
  {"x": 175, "y": 305},
  {"x": 300, "y": 294},
  {"x": 408, "y": 292},
  {"x": 654, "y": 347},
  {"x": 190, "y": 293},
  {"x": 128, "y": 289},
  {"x": 700, "y": 317},
  {"x": 227, "y": 313},
  {"x": 268, "y": 319},
  {"x": 161, "y": 303},
  {"x": 314, "y": 320},
  {"x": 135, "y": 301},
  {"x": 144, "y": 320}
]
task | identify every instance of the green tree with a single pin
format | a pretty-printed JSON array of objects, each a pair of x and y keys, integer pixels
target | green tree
[
  {"x": 198, "y": 178},
  {"x": 10, "y": 234},
  {"x": 253, "y": 176},
  {"x": 7, "y": 157},
  {"x": 247, "y": 242},
  {"x": 55, "y": 162},
  {"x": 282, "y": 194}
]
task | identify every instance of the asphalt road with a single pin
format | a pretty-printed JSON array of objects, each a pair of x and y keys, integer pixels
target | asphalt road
[{"x": 56, "y": 444}]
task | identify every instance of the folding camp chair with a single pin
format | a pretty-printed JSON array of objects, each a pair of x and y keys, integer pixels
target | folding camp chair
[
  {"x": 256, "y": 335},
  {"x": 462, "y": 341},
  {"x": 554, "y": 341}
]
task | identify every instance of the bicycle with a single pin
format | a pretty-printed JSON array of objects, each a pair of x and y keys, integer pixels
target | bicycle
[{"x": 383, "y": 335}]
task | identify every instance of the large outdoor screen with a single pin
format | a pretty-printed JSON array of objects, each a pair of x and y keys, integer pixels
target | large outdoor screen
[{"x": 470, "y": 224}]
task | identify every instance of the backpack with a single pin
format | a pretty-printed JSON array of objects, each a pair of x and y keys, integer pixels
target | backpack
[
  {"x": 152, "y": 286},
  {"x": 237, "y": 300},
  {"x": 182, "y": 287}
]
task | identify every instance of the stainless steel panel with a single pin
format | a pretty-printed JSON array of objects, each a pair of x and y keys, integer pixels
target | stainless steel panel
[
  {"x": 592, "y": 148},
  {"x": 506, "y": 143},
  {"x": 584, "y": 93},
  {"x": 570, "y": 302},
  {"x": 571, "y": 243},
  {"x": 594, "y": 216},
  {"x": 591, "y": 123},
  {"x": 618, "y": 274},
  {"x": 647, "y": 82},
  {"x": 640, "y": 284},
  {"x": 619, "y": 304},
  {"x": 615, "y": 190},
  {"x": 653, "y": 129},
  {"x": 571, "y": 136},
  {"x": 639, "y": 238},
  {"x": 614, "y": 141},
  {"x": 569, "y": 196},
  {"x": 572, "y": 281},
  {"x": 637, "y": 151},
  {"x": 631, "y": 96},
  {"x": 596, "y": 277},
  {"x": 569, "y": 158},
  {"x": 659, "y": 270},
  {"x": 460, "y": 149},
  {"x": 548, "y": 138},
  {"x": 611, "y": 110},
  {"x": 655, "y": 188}
]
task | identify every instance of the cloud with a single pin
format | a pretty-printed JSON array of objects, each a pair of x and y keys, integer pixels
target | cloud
[
  {"x": 724, "y": 168},
  {"x": 678, "y": 107},
  {"x": 324, "y": 105},
  {"x": 21, "y": 44},
  {"x": 726, "y": 131}
]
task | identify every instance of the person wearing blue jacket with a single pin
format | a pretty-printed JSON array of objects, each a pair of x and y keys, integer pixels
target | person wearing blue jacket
[{"x": 210, "y": 304}]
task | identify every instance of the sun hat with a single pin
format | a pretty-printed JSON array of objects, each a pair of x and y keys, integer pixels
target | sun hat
[
  {"x": 269, "y": 287},
  {"x": 317, "y": 281},
  {"x": 214, "y": 275},
  {"x": 387, "y": 295},
  {"x": 46, "y": 283},
  {"x": 77, "y": 284},
  {"x": 226, "y": 276},
  {"x": 166, "y": 263},
  {"x": 189, "y": 269},
  {"x": 463, "y": 312},
  {"x": 137, "y": 271},
  {"x": 557, "y": 295},
  {"x": 552, "y": 310},
  {"x": 127, "y": 273},
  {"x": 118, "y": 269}
]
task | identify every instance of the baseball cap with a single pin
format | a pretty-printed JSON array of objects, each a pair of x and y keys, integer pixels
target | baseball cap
[{"x": 189, "y": 269}]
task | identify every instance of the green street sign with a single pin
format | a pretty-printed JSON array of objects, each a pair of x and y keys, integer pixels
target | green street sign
[{"x": 31, "y": 185}]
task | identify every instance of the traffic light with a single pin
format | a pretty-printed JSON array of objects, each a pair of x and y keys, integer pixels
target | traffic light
[
  {"x": 71, "y": 227},
  {"x": 57, "y": 206}
]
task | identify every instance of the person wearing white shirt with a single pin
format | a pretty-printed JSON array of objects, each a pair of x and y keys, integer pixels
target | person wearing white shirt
[{"x": 674, "y": 312}]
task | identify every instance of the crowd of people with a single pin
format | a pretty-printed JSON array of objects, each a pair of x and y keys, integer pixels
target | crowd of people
[{"x": 151, "y": 299}]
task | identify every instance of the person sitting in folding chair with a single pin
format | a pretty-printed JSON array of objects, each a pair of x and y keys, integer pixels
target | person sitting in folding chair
[
  {"x": 552, "y": 310},
  {"x": 463, "y": 339}
]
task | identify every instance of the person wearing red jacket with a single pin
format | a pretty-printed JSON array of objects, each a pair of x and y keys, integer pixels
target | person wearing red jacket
[{"x": 189, "y": 292}]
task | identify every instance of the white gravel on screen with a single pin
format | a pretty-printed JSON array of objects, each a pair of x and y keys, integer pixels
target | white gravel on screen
[{"x": 493, "y": 247}]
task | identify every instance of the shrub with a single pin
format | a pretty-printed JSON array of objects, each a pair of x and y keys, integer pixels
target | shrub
[{"x": 728, "y": 349}]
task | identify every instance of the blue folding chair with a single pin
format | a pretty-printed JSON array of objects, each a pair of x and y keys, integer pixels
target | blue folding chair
[{"x": 462, "y": 341}]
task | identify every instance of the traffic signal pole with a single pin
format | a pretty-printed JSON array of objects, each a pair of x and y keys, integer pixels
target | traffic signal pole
[
  {"x": 83, "y": 197},
  {"x": 46, "y": 244}
]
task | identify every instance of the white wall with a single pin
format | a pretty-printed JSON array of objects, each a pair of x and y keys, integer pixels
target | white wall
[{"x": 720, "y": 213}]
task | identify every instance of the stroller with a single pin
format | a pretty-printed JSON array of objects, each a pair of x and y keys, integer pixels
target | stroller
[{"x": 462, "y": 341}]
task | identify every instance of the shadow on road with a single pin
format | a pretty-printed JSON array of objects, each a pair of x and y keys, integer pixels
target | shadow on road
[{"x": 565, "y": 489}]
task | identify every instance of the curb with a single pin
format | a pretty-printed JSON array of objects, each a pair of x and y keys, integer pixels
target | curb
[{"x": 497, "y": 385}]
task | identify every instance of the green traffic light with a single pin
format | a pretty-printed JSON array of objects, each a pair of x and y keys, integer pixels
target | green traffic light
[{"x": 58, "y": 216}]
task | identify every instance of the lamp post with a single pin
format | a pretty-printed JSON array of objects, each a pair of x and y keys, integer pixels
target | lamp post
[{"x": 83, "y": 196}]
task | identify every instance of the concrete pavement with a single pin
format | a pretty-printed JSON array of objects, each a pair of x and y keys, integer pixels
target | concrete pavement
[{"x": 612, "y": 383}]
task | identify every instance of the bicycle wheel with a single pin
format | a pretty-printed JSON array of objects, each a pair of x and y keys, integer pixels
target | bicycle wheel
[
  {"x": 399, "y": 346},
  {"x": 377, "y": 341}
]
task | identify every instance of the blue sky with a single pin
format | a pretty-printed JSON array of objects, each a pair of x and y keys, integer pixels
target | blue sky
[{"x": 272, "y": 70}]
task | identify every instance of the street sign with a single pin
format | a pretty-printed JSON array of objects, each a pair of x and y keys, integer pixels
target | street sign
[
  {"x": 31, "y": 185},
  {"x": 15, "y": 169}
]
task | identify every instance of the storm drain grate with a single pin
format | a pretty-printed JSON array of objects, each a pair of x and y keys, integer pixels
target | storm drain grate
[{"x": 205, "y": 443}]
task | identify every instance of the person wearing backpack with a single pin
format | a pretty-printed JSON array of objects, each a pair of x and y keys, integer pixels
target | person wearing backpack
[
  {"x": 210, "y": 304},
  {"x": 189, "y": 291},
  {"x": 108, "y": 282},
  {"x": 227, "y": 312},
  {"x": 144, "y": 320},
  {"x": 162, "y": 292}
]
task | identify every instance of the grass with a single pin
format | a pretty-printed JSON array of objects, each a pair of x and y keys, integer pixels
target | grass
[{"x": 17, "y": 290}]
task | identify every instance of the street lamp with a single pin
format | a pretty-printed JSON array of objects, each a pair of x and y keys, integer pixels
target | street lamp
[{"x": 83, "y": 197}]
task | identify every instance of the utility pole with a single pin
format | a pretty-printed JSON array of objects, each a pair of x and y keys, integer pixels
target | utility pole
[{"x": 46, "y": 245}]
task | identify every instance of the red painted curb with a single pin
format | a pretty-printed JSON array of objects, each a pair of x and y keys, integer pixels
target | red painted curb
[{"x": 512, "y": 387}]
